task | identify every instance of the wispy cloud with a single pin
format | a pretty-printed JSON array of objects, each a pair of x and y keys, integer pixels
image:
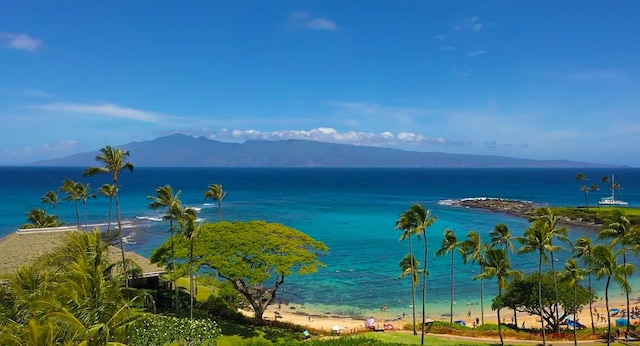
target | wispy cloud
[
  {"x": 476, "y": 52},
  {"x": 20, "y": 41},
  {"x": 471, "y": 24},
  {"x": 107, "y": 110},
  {"x": 306, "y": 20},
  {"x": 327, "y": 134},
  {"x": 441, "y": 37}
]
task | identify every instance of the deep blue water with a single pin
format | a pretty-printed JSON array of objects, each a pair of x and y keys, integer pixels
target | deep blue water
[{"x": 352, "y": 210}]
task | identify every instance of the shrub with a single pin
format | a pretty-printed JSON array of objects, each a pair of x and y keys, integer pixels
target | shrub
[{"x": 161, "y": 330}]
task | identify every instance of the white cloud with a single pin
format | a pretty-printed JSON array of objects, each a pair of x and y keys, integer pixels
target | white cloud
[
  {"x": 306, "y": 20},
  {"x": 471, "y": 24},
  {"x": 20, "y": 41},
  {"x": 107, "y": 110},
  {"x": 327, "y": 134},
  {"x": 476, "y": 52}
]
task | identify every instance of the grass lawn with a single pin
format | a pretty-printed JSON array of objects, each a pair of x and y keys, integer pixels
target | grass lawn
[
  {"x": 410, "y": 339},
  {"x": 203, "y": 291}
]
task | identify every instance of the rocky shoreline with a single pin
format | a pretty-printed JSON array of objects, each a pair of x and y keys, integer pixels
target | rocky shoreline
[{"x": 516, "y": 208}]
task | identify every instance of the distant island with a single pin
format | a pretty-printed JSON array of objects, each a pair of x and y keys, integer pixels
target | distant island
[{"x": 180, "y": 150}]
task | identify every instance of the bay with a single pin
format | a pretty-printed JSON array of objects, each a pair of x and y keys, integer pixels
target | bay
[{"x": 352, "y": 210}]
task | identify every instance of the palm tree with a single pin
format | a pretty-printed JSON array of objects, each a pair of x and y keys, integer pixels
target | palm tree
[
  {"x": 165, "y": 198},
  {"x": 84, "y": 194},
  {"x": 108, "y": 190},
  {"x": 189, "y": 228},
  {"x": 474, "y": 251},
  {"x": 113, "y": 162},
  {"x": 407, "y": 226},
  {"x": 575, "y": 275},
  {"x": 450, "y": 244},
  {"x": 51, "y": 197},
  {"x": 502, "y": 236},
  {"x": 410, "y": 267},
  {"x": 617, "y": 230},
  {"x": 217, "y": 193},
  {"x": 605, "y": 264},
  {"x": 584, "y": 188},
  {"x": 535, "y": 240},
  {"x": 550, "y": 223},
  {"x": 584, "y": 251},
  {"x": 73, "y": 194},
  {"x": 497, "y": 266},
  {"x": 38, "y": 218}
]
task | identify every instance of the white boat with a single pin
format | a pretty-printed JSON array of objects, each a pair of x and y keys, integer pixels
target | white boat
[{"x": 611, "y": 201}]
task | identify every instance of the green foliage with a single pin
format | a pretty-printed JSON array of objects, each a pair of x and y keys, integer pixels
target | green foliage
[
  {"x": 39, "y": 218},
  {"x": 162, "y": 330}
]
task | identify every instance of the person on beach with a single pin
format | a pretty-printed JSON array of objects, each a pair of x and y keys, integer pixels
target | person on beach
[{"x": 469, "y": 313}]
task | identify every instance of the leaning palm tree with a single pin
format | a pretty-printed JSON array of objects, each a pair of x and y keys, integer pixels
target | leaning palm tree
[
  {"x": 502, "y": 236},
  {"x": 113, "y": 161},
  {"x": 165, "y": 198},
  {"x": 605, "y": 264},
  {"x": 549, "y": 222},
  {"x": 498, "y": 266},
  {"x": 617, "y": 229},
  {"x": 108, "y": 190},
  {"x": 535, "y": 240},
  {"x": 217, "y": 193},
  {"x": 407, "y": 226},
  {"x": 450, "y": 245},
  {"x": 73, "y": 194},
  {"x": 583, "y": 250},
  {"x": 575, "y": 275},
  {"x": 51, "y": 197},
  {"x": 474, "y": 251},
  {"x": 189, "y": 228}
]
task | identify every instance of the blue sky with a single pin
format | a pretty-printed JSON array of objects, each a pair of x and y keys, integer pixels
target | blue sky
[{"x": 530, "y": 79}]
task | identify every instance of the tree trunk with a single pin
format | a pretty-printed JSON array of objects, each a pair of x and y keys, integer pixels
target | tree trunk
[
  {"x": 606, "y": 300},
  {"x": 452, "y": 288},
  {"x": 75, "y": 202},
  {"x": 191, "y": 278},
  {"x": 499, "y": 323},
  {"x": 593, "y": 326},
  {"x": 624, "y": 260},
  {"x": 544, "y": 335},
  {"x": 424, "y": 283},
  {"x": 482, "y": 296},
  {"x": 173, "y": 265},
  {"x": 109, "y": 221},
  {"x": 124, "y": 261},
  {"x": 413, "y": 288},
  {"x": 556, "y": 326}
]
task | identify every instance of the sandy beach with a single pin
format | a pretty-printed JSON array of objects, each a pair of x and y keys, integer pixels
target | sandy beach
[{"x": 319, "y": 320}]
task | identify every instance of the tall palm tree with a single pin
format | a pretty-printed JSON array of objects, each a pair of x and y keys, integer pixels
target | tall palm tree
[
  {"x": 474, "y": 251},
  {"x": 73, "y": 194},
  {"x": 407, "y": 225},
  {"x": 502, "y": 236},
  {"x": 584, "y": 188},
  {"x": 549, "y": 222},
  {"x": 450, "y": 244},
  {"x": 114, "y": 161},
  {"x": 84, "y": 192},
  {"x": 535, "y": 240},
  {"x": 498, "y": 266},
  {"x": 575, "y": 275},
  {"x": 189, "y": 228},
  {"x": 51, "y": 197},
  {"x": 583, "y": 250},
  {"x": 108, "y": 190},
  {"x": 617, "y": 229},
  {"x": 165, "y": 198},
  {"x": 605, "y": 264},
  {"x": 217, "y": 193}
]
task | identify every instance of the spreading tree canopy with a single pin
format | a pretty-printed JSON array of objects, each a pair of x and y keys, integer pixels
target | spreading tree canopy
[{"x": 255, "y": 257}]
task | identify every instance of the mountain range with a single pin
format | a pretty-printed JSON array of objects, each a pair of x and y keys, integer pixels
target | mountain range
[{"x": 180, "y": 150}]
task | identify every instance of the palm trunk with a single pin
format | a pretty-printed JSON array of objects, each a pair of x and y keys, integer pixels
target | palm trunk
[
  {"x": 544, "y": 335},
  {"x": 109, "y": 221},
  {"x": 173, "y": 266},
  {"x": 515, "y": 312},
  {"x": 452, "y": 288},
  {"x": 499, "y": 324},
  {"x": 86, "y": 217},
  {"x": 575, "y": 307},
  {"x": 413, "y": 289},
  {"x": 124, "y": 261},
  {"x": 424, "y": 283},
  {"x": 191, "y": 277},
  {"x": 606, "y": 300},
  {"x": 75, "y": 202},
  {"x": 593, "y": 326},
  {"x": 556, "y": 327},
  {"x": 219, "y": 211},
  {"x": 624, "y": 260},
  {"x": 482, "y": 296}
]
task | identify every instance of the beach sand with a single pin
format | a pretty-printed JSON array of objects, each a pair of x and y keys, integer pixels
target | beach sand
[{"x": 319, "y": 320}]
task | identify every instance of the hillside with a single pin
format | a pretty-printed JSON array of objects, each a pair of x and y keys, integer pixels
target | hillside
[{"x": 185, "y": 151}]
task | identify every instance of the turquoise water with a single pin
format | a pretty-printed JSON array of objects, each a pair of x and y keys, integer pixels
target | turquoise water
[{"x": 352, "y": 210}]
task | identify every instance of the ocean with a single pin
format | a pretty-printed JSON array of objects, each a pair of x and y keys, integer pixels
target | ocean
[{"x": 352, "y": 210}]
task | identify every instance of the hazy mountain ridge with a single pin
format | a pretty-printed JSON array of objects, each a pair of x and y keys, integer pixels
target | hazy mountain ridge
[{"x": 185, "y": 151}]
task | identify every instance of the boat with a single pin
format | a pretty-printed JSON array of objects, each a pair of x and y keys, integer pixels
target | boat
[{"x": 611, "y": 201}]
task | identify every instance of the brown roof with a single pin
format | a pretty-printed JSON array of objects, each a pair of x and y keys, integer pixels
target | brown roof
[{"x": 26, "y": 245}]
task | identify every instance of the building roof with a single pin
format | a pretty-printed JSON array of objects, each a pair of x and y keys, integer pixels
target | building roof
[{"x": 24, "y": 246}]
